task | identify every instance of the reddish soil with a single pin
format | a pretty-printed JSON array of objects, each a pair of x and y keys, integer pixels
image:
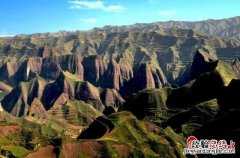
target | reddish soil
[
  {"x": 43, "y": 152},
  {"x": 6, "y": 130},
  {"x": 123, "y": 149},
  {"x": 151, "y": 127},
  {"x": 73, "y": 130},
  {"x": 86, "y": 148}
]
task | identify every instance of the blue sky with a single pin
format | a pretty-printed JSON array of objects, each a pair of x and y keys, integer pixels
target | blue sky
[{"x": 32, "y": 16}]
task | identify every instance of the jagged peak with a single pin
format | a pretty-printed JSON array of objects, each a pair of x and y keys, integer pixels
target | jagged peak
[
  {"x": 205, "y": 55},
  {"x": 67, "y": 75},
  {"x": 202, "y": 62}
]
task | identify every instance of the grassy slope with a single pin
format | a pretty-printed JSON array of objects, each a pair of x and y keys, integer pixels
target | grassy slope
[
  {"x": 138, "y": 140},
  {"x": 16, "y": 151}
]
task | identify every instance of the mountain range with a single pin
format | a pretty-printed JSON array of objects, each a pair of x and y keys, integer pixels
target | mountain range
[{"x": 120, "y": 91}]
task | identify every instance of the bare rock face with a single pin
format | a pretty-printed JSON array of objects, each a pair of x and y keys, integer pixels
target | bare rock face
[
  {"x": 5, "y": 88},
  {"x": 9, "y": 69},
  {"x": 44, "y": 52},
  {"x": 94, "y": 68},
  {"x": 72, "y": 63},
  {"x": 22, "y": 71},
  {"x": 35, "y": 64},
  {"x": 106, "y": 74},
  {"x": 19, "y": 100},
  {"x": 60, "y": 101},
  {"x": 147, "y": 77},
  {"x": 37, "y": 109},
  {"x": 236, "y": 65},
  {"x": 89, "y": 94},
  {"x": 169, "y": 48},
  {"x": 59, "y": 91},
  {"x": 68, "y": 86},
  {"x": 110, "y": 97},
  {"x": 126, "y": 73},
  {"x": 49, "y": 67},
  {"x": 202, "y": 62},
  {"x": 56, "y": 94},
  {"x": 51, "y": 70},
  {"x": 31, "y": 68},
  {"x": 27, "y": 70},
  {"x": 113, "y": 75}
]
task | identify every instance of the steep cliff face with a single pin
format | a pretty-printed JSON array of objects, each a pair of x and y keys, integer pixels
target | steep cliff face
[
  {"x": 53, "y": 65},
  {"x": 206, "y": 80},
  {"x": 203, "y": 61},
  {"x": 5, "y": 88},
  {"x": 236, "y": 65},
  {"x": 19, "y": 100},
  {"x": 54, "y": 95},
  {"x": 95, "y": 69},
  {"x": 66, "y": 82},
  {"x": 8, "y": 70},
  {"x": 68, "y": 86},
  {"x": 126, "y": 61},
  {"x": 37, "y": 109},
  {"x": 146, "y": 77},
  {"x": 207, "y": 86},
  {"x": 170, "y": 49},
  {"x": 111, "y": 97}
]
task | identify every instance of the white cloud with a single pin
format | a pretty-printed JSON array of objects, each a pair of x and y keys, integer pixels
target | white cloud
[
  {"x": 89, "y": 21},
  {"x": 167, "y": 12},
  {"x": 85, "y": 4},
  {"x": 5, "y": 35}
]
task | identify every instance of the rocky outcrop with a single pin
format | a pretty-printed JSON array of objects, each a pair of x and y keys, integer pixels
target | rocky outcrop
[
  {"x": 19, "y": 100},
  {"x": 203, "y": 62},
  {"x": 218, "y": 81},
  {"x": 113, "y": 75},
  {"x": 5, "y": 88},
  {"x": 8, "y": 70},
  {"x": 95, "y": 69},
  {"x": 22, "y": 71},
  {"x": 110, "y": 97},
  {"x": 53, "y": 65},
  {"x": 29, "y": 69},
  {"x": 146, "y": 77},
  {"x": 45, "y": 51},
  {"x": 98, "y": 54},
  {"x": 37, "y": 109},
  {"x": 206, "y": 87},
  {"x": 236, "y": 65},
  {"x": 56, "y": 94}
]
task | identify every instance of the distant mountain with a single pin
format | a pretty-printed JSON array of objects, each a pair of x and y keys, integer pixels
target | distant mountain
[
  {"x": 227, "y": 28},
  {"x": 54, "y": 95},
  {"x": 119, "y": 55},
  {"x": 127, "y": 91}
]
